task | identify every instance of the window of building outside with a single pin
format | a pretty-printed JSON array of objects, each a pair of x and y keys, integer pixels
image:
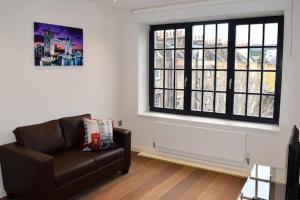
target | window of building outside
[{"x": 227, "y": 69}]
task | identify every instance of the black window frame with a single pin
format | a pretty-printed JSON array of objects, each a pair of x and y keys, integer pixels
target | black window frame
[{"x": 232, "y": 23}]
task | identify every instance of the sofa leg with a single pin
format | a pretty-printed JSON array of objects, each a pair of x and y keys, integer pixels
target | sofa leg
[
  {"x": 10, "y": 196},
  {"x": 125, "y": 170}
]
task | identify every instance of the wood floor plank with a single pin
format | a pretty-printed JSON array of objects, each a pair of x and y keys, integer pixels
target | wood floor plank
[
  {"x": 153, "y": 182},
  {"x": 234, "y": 188},
  {"x": 150, "y": 179},
  {"x": 217, "y": 189},
  {"x": 200, "y": 186},
  {"x": 184, "y": 185},
  {"x": 125, "y": 187},
  {"x": 168, "y": 184},
  {"x": 118, "y": 181}
]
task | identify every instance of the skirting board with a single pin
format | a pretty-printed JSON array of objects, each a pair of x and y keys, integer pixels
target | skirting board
[{"x": 210, "y": 167}]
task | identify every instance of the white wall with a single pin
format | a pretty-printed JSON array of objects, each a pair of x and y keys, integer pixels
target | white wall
[
  {"x": 113, "y": 81},
  {"x": 30, "y": 94},
  {"x": 265, "y": 144}
]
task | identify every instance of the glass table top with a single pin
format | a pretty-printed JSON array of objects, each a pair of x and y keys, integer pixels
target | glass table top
[{"x": 265, "y": 183}]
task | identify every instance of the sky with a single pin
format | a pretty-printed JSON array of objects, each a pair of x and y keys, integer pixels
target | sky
[{"x": 61, "y": 32}]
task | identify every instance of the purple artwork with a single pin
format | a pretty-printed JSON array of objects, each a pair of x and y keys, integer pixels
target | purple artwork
[{"x": 56, "y": 45}]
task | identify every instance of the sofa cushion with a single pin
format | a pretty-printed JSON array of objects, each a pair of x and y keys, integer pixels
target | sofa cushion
[
  {"x": 72, "y": 164},
  {"x": 98, "y": 134},
  {"x": 46, "y": 137},
  {"x": 73, "y": 129},
  {"x": 92, "y": 135},
  {"x": 106, "y": 156}
]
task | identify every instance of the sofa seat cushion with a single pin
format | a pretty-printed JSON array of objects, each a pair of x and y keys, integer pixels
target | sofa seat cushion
[
  {"x": 106, "y": 156},
  {"x": 72, "y": 164}
]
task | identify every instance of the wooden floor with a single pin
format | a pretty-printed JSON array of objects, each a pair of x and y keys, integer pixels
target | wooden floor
[{"x": 150, "y": 179}]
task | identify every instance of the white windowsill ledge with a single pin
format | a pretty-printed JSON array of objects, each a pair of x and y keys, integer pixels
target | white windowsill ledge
[{"x": 211, "y": 121}]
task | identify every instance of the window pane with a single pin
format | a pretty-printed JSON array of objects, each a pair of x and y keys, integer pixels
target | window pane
[
  {"x": 196, "y": 101},
  {"x": 255, "y": 58},
  {"x": 241, "y": 58},
  {"x": 264, "y": 189},
  {"x": 269, "y": 82},
  {"x": 169, "y": 39},
  {"x": 197, "y": 59},
  {"x": 197, "y": 80},
  {"x": 222, "y": 56},
  {"x": 169, "y": 98},
  {"x": 270, "y": 58},
  {"x": 180, "y": 38},
  {"x": 179, "y": 59},
  {"x": 256, "y": 34},
  {"x": 209, "y": 80},
  {"x": 271, "y": 32},
  {"x": 210, "y": 35},
  {"x": 208, "y": 101},
  {"x": 169, "y": 79},
  {"x": 239, "y": 104},
  {"x": 253, "y": 105},
  {"x": 179, "y": 99},
  {"x": 169, "y": 59},
  {"x": 198, "y": 36},
  {"x": 159, "y": 78},
  {"x": 221, "y": 80},
  {"x": 222, "y": 35},
  {"x": 159, "y": 59},
  {"x": 209, "y": 59},
  {"x": 254, "y": 82},
  {"x": 267, "y": 106},
  {"x": 159, "y": 39},
  {"x": 179, "y": 79},
  {"x": 220, "y": 102},
  {"x": 158, "y": 98},
  {"x": 240, "y": 81},
  {"x": 241, "y": 35}
]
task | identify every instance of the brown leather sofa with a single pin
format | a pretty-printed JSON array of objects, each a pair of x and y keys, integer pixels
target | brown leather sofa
[{"x": 47, "y": 161}]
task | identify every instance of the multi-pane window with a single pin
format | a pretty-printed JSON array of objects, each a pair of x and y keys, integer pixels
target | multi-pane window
[
  {"x": 255, "y": 69},
  {"x": 227, "y": 69},
  {"x": 169, "y": 58},
  {"x": 209, "y": 67}
]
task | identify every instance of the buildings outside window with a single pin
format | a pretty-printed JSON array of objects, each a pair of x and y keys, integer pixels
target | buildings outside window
[{"x": 226, "y": 69}]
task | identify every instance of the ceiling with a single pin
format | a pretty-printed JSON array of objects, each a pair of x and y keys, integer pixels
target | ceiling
[{"x": 140, "y": 4}]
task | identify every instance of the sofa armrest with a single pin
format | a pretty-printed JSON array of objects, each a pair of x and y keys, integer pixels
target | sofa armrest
[
  {"x": 122, "y": 137},
  {"x": 27, "y": 173}
]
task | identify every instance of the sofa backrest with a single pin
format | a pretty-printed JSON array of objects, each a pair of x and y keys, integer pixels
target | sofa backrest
[
  {"x": 46, "y": 137},
  {"x": 73, "y": 129}
]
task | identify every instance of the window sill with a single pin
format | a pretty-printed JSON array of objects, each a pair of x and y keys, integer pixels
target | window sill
[{"x": 205, "y": 120}]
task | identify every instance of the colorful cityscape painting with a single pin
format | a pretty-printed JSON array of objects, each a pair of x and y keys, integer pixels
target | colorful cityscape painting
[{"x": 56, "y": 45}]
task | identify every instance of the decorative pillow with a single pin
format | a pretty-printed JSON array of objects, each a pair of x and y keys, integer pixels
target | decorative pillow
[
  {"x": 92, "y": 135},
  {"x": 106, "y": 133},
  {"x": 98, "y": 134}
]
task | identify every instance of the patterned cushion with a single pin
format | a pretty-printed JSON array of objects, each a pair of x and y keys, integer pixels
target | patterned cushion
[
  {"x": 98, "y": 134},
  {"x": 106, "y": 131},
  {"x": 92, "y": 135}
]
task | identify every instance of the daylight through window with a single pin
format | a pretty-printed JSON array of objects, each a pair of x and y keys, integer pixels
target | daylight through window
[{"x": 226, "y": 69}]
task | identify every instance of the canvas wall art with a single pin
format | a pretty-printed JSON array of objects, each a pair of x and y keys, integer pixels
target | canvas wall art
[{"x": 56, "y": 45}]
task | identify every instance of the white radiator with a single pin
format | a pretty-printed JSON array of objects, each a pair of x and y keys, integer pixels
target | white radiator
[{"x": 197, "y": 142}]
